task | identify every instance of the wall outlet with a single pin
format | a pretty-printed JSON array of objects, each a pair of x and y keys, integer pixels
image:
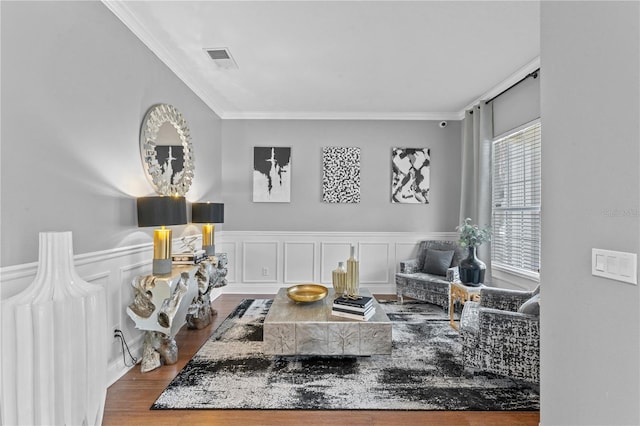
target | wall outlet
[{"x": 265, "y": 272}]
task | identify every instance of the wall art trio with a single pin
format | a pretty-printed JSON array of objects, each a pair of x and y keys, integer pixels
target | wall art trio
[{"x": 410, "y": 178}]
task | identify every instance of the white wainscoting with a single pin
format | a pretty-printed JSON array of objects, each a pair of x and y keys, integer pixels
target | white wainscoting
[
  {"x": 266, "y": 261},
  {"x": 259, "y": 262}
]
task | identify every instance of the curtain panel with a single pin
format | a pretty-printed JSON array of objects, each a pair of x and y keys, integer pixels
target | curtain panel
[{"x": 475, "y": 201}]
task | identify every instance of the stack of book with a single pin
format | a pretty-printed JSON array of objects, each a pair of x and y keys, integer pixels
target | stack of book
[
  {"x": 360, "y": 308},
  {"x": 189, "y": 258}
]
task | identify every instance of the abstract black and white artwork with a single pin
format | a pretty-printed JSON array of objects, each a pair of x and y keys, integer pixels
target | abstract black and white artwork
[
  {"x": 271, "y": 174},
  {"x": 340, "y": 174},
  {"x": 410, "y": 180},
  {"x": 171, "y": 161}
]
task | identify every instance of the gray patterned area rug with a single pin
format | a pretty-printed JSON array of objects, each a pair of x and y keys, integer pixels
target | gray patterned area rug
[{"x": 424, "y": 371}]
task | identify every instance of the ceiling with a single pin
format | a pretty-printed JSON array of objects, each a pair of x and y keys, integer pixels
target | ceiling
[{"x": 341, "y": 59}]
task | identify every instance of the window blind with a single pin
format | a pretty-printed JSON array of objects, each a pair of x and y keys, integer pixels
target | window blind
[{"x": 516, "y": 201}]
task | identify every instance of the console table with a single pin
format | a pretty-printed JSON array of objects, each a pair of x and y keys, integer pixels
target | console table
[
  {"x": 157, "y": 301},
  {"x": 211, "y": 274}
]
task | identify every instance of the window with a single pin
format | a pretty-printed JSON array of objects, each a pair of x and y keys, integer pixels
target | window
[{"x": 515, "y": 245}]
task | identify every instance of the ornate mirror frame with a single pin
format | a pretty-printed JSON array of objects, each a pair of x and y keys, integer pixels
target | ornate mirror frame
[{"x": 163, "y": 177}]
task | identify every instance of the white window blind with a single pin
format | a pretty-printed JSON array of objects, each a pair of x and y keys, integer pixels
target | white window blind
[{"x": 515, "y": 244}]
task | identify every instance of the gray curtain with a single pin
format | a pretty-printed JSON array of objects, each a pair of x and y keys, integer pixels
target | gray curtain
[{"x": 475, "y": 200}]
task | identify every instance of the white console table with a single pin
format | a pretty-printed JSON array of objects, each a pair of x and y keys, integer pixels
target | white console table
[{"x": 158, "y": 300}]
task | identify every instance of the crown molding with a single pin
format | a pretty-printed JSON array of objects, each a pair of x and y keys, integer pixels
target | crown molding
[
  {"x": 343, "y": 116},
  {"x": 120, "y": 9}
]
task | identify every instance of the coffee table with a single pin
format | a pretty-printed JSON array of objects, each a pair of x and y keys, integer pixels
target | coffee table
[{"x": 292, "y": 328}]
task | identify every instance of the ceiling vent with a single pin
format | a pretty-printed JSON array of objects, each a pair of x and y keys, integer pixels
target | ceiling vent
[{"x": 222, "y": 58}]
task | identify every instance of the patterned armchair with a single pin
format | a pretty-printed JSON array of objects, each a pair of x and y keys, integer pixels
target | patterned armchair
[
  {"x": 424, "y": 278},
  {"x": 501, "y": 333}
]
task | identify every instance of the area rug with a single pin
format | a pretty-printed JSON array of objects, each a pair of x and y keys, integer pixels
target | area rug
[{"x": 424, "y": 371}]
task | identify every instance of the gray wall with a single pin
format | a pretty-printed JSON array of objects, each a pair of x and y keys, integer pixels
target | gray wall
[
  {"x": 307, "y": 212},
  {"x": 591, "y": 131},
  {"x": 76, "y": 84}
]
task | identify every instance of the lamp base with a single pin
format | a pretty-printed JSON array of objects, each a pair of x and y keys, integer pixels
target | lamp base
[
  {"x": 161, "y": 266},
  {"x": 210, "y": 250}
]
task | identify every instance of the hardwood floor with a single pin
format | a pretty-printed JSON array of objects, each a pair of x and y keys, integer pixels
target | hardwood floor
[{"x": 129, "y": 399}]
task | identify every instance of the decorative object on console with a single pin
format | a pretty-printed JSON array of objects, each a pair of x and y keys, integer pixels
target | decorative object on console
[
  {"x": 410, "y": 180},
  {"x": 54, "y": 348},
  {"x": 161, "y": 211},
  {"x": 472, "y": 269},
  {"x": 207, "y": 214},
  {"x": 166, "y": 151},
  {"x": 340, "y": 174},
  {"x": 189, "y": 258},
  {"x": 271, "y": 174},
  {"x": 353, "y": 273}
]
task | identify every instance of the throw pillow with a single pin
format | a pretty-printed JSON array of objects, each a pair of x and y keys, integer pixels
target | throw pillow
[
  {"x": 437, "y": 262},
  {"x": 531, "y": 306}
]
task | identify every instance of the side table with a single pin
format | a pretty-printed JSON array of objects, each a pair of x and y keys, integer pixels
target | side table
[
  {"x": 157, "y": 300},
  {"x": 460, "y": 292}
]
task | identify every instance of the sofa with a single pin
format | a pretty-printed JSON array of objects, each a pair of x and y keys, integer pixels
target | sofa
[
  {"x": 424, "y": 277},
  {"x": 501, "y": 333}
]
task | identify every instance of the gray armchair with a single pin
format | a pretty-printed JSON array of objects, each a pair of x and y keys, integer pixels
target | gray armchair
[
  {"x": 424, "y": 278},
  {"x": 501, "y": 333}
]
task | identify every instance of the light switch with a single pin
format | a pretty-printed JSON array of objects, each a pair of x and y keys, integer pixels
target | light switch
[
  {"x": 612, "y": 265},
  {"x": 624, "y": 266},
  {"x": 615, "y": 265}
]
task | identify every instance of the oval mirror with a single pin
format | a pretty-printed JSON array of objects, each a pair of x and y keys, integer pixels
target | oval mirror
[{"x": 166, "y": 151}]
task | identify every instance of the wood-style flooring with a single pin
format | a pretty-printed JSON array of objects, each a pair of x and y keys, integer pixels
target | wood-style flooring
[{"x": 129, "y": 399}]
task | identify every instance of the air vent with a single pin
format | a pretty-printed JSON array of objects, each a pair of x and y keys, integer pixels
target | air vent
[{"x": 222, "y": 58}]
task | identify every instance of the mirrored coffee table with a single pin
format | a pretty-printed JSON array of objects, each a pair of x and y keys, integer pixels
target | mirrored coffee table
[{"x": 292, "y": 328}]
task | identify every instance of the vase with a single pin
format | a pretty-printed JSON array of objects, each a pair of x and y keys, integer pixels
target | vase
[
  {"x": 54, "y": 344},
  {"x": 353, "y": 274},
  {"x": 339, "y": 279},
  {"x": 472, "y": 269}
]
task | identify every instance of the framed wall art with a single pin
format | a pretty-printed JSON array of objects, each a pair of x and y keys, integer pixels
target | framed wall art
[
  {"x": 341, "y": 174},
  {"x": 271, "y": 174},
  {"x": 410, "y": 175}
]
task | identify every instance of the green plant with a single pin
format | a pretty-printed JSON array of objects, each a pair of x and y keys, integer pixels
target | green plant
[{"x": 473, "y": 235}]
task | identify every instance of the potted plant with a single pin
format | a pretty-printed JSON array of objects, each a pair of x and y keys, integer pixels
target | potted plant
[{"x": 472, "y": 269}]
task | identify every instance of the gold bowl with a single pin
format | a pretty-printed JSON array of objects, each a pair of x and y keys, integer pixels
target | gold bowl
[{"x": 307, "y": 293}]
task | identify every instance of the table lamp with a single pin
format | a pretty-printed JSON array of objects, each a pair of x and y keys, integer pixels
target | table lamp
[
  {"x": 207, "y": 214},
  {"x": 161, "y": 211}
]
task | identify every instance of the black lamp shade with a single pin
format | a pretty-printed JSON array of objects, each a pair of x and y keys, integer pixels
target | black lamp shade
[
  {"x": 207, "y": 213},
  {"x": 161, "y": 211}
]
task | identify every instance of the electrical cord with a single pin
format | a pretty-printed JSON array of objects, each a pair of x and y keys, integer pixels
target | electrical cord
[{"x": 123, "y": 343}]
